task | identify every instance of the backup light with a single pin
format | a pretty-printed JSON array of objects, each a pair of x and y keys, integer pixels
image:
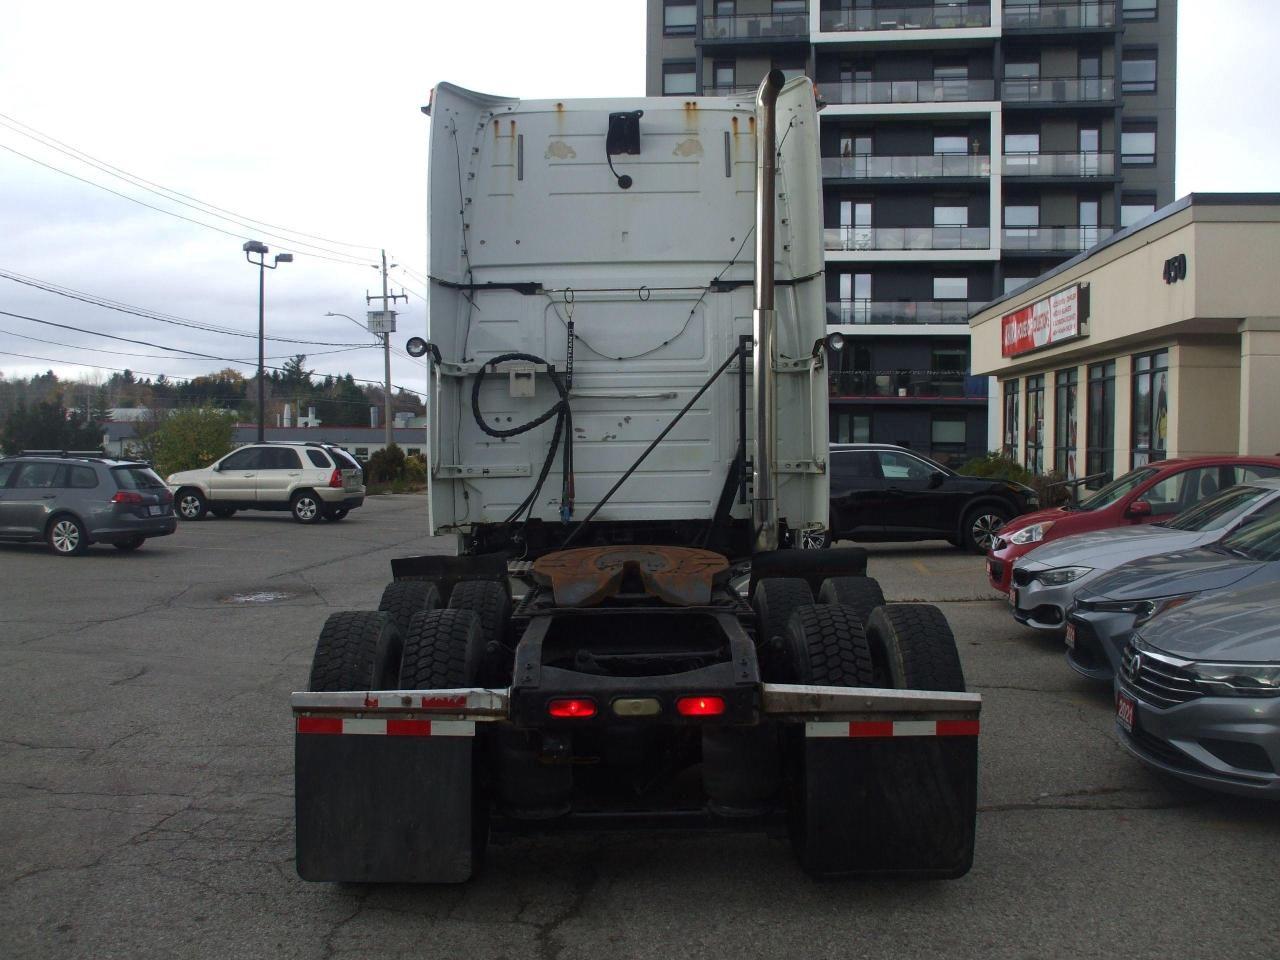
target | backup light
[
  {"x": 700, "y": 706},
  {"x": 572, "y": 708}
]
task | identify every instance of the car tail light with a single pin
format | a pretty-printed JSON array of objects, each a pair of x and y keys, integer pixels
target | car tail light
[
  {"x": 700, "y": 706},
  {"x": 127, "y": 496},
  {"x": 335, "y": 478},
  {"x": 572, "y": 708}
]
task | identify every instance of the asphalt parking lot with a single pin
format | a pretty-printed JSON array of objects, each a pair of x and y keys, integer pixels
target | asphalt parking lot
[{"x": 146, "y": 792}]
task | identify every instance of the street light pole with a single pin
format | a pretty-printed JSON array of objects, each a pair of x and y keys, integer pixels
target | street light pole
[
  {"x": 386, "y": 352},
  {"x": 251, "y": 247}
]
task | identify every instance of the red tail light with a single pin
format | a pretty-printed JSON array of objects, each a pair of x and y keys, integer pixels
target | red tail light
[
  {"x": 700, "y": 706},
  {"x": 572, "y": 708},
  {"x": 335, "y": 478},
  {"x": 127, "y": 496}
]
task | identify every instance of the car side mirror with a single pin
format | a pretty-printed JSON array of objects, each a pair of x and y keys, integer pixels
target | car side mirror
[
  {"x": 1138, "y": 509},
  {"x": 935, "y": 480},
  {"x": 217, "y": 468}
]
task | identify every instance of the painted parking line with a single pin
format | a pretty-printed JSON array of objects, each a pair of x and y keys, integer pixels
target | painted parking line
[{"x": 920, "y": 567}]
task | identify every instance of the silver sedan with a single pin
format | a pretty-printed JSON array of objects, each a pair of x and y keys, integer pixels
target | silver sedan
[{"x": 1046, "y": 581}]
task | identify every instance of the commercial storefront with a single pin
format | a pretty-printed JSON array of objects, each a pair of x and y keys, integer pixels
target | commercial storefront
[{"x": 1162, "y": 342}]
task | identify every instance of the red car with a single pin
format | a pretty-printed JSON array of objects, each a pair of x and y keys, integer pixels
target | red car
[{"x": 1148, "y": 494}]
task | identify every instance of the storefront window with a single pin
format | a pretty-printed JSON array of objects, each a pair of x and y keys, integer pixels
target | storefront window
[
  {"x": 1064, "y": 418},
  {"x": 1150, "y": 408},
  {"x": 1100, "y": 423},
  {"x": 1035, "y": 424},
  {"x": 850, "y": 428},
  {"x": 1010, "y": 445}
]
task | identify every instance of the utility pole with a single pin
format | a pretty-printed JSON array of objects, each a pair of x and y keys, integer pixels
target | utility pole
[{"x": 388, "y": 327}]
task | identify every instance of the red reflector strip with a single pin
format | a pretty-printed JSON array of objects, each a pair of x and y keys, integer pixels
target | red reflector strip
[
  {"x": 879, "y": 729},
  {"x": 700, "y": 706},
  {"x": 369, "y": 726}
]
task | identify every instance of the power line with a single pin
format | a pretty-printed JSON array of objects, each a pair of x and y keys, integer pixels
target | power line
[
  {"x": 346, "y": 258},
  {"x": 65, "y": 148},
  {"x": 159, "y": 356},
  {"x": 121, "y": 307},
  {"x": 205, "y": 356}
]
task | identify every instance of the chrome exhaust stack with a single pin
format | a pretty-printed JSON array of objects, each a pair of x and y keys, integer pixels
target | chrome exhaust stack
[{"x": 764, "y": 321}]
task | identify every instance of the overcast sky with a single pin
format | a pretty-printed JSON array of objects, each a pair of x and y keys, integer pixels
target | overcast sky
[{"x": 306, "y": 116}]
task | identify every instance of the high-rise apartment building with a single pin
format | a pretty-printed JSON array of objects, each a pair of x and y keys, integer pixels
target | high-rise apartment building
[{"x": 967, "y": 148}]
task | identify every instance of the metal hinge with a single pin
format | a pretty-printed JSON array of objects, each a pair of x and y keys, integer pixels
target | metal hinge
[
  {"x": 453, "y": 471},
  {"x": 802, "y": 466}
]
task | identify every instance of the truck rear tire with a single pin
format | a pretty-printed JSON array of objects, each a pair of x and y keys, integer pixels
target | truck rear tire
[
  {"x": 489, "y": 601},
  {"x": 827, "y": 646},
  {"x": 357, "y": 650},
  {"x": 442, "y": 650},
  {"x": 774, "y": 600},
  {"x": 403, "y": 598},
  {"x": 860, "y": 594},
  {"x": 915, "y": 649}
]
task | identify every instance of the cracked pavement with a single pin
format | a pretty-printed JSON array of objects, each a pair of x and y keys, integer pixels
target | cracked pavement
[{"x": 146, "y": 805}]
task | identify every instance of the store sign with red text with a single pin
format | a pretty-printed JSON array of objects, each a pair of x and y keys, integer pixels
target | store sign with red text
[{"x": 1045, "y": 323}]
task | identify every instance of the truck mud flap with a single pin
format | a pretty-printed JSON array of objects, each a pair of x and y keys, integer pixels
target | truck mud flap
[
  {"x": 885, "y": 798},
  {"x": 385, "y": 800}
]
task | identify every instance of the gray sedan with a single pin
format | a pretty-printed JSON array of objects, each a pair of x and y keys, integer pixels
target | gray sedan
[
  {"x": 1046, "y": 581},
  {"x": 1128, "y": 597},
  {"x": 1198, "y": 694}
]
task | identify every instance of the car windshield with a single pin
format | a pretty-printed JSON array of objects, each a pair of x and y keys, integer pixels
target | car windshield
[
  {"x": 136, "y": 478},
  {"x": 1257, "y": 541},
  {"x": 1117, "y": 489},
  {"x": 1217, "y": 511}
]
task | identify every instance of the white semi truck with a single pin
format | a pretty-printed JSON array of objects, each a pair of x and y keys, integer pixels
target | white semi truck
[{"x": 628, "y": 418}]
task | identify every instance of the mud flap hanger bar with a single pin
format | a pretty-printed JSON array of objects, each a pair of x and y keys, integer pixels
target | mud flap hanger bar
[{"x": 780, "y": 701}]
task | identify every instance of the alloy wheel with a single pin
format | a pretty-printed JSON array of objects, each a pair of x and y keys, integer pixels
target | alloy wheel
[
  {"x": 65, "y": 536},
  {"x": 305, "y": 508},
  {"x": 189, "y": 506},
  {"x": 984, "y": 528}
]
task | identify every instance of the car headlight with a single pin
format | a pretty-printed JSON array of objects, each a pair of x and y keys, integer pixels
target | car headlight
[
  {"x": 1060, "y": 575},
  {"x": 1031, "y": 534},
  {"x": 1142, "y": 610},
  {"x": 1238, "y": 679}
]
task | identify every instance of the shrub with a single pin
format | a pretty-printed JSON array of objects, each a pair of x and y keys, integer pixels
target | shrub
[
  {"x": 190, "y": 439},
  {"x": 386, "y": 465},
  {"x": 415, "y": 469},
  {"x": 995, "y": 465}
]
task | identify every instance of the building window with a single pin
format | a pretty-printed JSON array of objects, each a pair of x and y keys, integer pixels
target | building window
[
  {"x": 850, "y": 427},
  {"x": 951, "y": 288},
  {"x": 678, "y": 78},
  {"x": 1065, "y": 384},
  {"x": 1014, "y": 283},
  {"x": 950, "y": 216},
  {"x": 724, "y": 74},
  {"x": 1022, "y": 70},
  {"x": 678, "y": 18},
  {"x": 1100, "y": 423},
  {"x": 362, "y": 453},
  {"x": 948, "y": 436},
  {"x": 1150, "y": 408},
  {"x": 1136, "y": 206},
  {"x": 950, "y": 143},
  {"x": 1139, "y": 9},
  {"x": 1022, "y": 215},
  {"x": 790, "y": 7},
  {"x": 1035, "y": 424},
  {"x": 1138, "y": 71},
  {"x": 1138, "y": 145},
  {"x": 1010, "y": 432},
  {"x": 414, "y": 451},
  {"x": 726, "y": 8}
]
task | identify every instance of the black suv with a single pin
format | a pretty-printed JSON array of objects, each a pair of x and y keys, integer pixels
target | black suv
[
  {"x": 881, "y": 492},
  {"x": 71, "y": 500}
]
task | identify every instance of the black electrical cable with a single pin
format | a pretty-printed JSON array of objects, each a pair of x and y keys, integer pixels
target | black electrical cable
[{"x": 559, "y": 410}]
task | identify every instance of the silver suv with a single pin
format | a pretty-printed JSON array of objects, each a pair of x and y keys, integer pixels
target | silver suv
[
  {"x": 71, "y": 500},
  {"x": 310, "y": 480}
]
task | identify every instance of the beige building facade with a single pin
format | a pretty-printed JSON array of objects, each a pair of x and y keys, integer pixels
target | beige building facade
[{"x": 1162, "y": 342}]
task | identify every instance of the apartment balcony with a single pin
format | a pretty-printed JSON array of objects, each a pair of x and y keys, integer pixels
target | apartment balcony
[
  {"x": 906, "y": 384},
  {"x": 906, "y": 238},
  {"x": 1041, "y": 91},
  {"x": 895, "y": 312},
  {"x": 938, "y": 166},
  {"x": 733, "y": 90},
  {"x": 952, "y": 16},
  {"x": 1059, "y": 15},
  {"x": 944, "y": 90},
  {"x": 753, "y": 27},
  {"x": 1079, "y": 165},
  {"x": 1038, "y": 240}
]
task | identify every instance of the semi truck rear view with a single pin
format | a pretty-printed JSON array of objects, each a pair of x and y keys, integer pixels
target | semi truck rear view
[{"x": 642, "y": 623}]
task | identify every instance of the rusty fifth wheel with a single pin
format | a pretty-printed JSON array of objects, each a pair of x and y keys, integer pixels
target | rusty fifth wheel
[{"x": 677, "y": 575}]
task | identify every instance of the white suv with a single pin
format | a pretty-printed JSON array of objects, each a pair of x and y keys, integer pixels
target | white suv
[{"x": 310, "y": 480}]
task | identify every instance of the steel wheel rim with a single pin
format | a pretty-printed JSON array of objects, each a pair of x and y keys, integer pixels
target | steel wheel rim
[
  {"x": 190, "y": 506},
  {"x": 305, "y": 508},
  {"x": 984, "y": 529},
  {"x": 66, "y": 536}
]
